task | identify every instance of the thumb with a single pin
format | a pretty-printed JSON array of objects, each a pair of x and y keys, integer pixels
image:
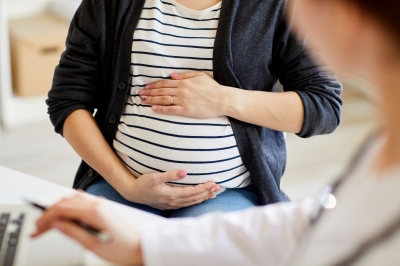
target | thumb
[
  {"x": 186, "y": 75},
  {"x": 171, "y": 176}
]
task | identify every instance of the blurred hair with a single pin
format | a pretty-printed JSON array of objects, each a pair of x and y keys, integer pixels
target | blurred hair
[{"x": 387, "y": 14}]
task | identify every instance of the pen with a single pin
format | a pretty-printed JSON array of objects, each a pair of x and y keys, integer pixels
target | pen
[{"x": 102, "y": 237}]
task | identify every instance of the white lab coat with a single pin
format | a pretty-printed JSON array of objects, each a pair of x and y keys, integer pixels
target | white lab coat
[{"x": 283, "y": 234}]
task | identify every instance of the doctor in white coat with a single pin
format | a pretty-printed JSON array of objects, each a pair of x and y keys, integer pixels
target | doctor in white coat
[{"x": 356, "y": 221}]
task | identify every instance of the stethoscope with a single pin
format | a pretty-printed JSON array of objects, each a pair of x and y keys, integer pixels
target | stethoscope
[{"x": 328, "y": 200}]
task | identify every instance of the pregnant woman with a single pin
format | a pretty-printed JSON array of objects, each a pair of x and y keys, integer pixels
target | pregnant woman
[{"x": 187, "y": 117}]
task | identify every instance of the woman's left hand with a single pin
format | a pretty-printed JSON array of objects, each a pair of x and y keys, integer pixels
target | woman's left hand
[{"x": 193, "y": 94}]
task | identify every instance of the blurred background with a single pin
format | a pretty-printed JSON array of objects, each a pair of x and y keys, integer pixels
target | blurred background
[{"x": 32, "y": 36}]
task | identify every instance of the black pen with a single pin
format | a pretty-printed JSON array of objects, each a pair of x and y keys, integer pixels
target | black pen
[{"x": 102, "y": 237}]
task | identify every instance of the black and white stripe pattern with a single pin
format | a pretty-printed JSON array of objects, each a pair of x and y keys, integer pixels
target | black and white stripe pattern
[{"x": 173, "y": 39}]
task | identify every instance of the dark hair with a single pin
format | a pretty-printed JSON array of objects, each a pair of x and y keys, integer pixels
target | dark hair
[{"x": 386, "y": 12}]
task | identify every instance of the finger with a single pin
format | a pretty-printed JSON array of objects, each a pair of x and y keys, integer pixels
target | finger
[
  {"x": 79, "y": 234},
  {"x": 38, "y": 233},
  {"x": 187, "y": 75},
  {"x": 56, "y": 214},
  {"x": 188, "y": 192},
  {"x": 198, "y": 189},
  {"x": 169, "y": 176},
  {"x": 169, "y": 110},
  {"x": 187, "y": 204},
  {"x": 78, "y": 208},
  {"x": 199, "y": 197},
  {"x": 162, "y": 84},
  {"x": 161, "y": 100},
  {"x": 158, "y": 92},
  {"x": 192, "y": 194}
]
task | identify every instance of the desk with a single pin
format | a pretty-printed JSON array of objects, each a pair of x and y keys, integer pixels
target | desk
[{"x": 15, "y": 186}]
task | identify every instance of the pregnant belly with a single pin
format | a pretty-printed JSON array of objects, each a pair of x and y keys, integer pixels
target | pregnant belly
[{"x": 205, "y": 149}]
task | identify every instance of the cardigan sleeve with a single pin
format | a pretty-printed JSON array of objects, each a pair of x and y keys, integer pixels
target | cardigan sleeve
[
  {"x": 78, "y": 77},
  {"x": 318, "y": 88}
]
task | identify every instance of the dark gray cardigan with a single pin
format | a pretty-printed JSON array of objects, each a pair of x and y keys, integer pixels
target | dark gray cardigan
[{"x": 253, "y": 48}]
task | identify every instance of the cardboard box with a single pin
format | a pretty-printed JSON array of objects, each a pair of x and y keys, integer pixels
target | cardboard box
[{"x": 36, "y": 46}]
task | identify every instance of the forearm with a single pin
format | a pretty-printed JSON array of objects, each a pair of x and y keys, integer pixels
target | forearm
[
  {"x": 82, "y": 133},
  {"x": 279, "y": 111}
]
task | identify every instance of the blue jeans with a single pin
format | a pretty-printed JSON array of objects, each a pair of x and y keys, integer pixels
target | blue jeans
[{"x": 230, "y": 200}]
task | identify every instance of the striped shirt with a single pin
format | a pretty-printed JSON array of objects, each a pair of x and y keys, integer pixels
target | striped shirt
[{"x": 171, "y": 38}]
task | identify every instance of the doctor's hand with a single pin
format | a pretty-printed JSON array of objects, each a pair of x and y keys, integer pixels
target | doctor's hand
[
  {"x": 123, "y": 249},
  {"x": 192, "y": 94},
  {"x": 153, "y": 190}
]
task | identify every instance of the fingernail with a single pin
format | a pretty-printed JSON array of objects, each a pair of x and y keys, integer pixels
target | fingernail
[
  {"x": 141, "y": 92},
  {"x": 174, "y": 75},
  {"x": 144, "y": 98},
  {"x": 214, "y": 186},
  {"x": 154, "y": 107},
  {"x": 147, "y": 87},
  {"x": 182, "y": 173},
  {"x": 213, "y": 197},
  {"x": 218, "y": 189}
]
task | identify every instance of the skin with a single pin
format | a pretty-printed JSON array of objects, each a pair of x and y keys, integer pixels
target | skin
[
  {"x": 197, "y": 95},
  {"x": 198, "y": 5},
  {"x": 343, "y": 49},
  {"x": 335, "y": 16}
]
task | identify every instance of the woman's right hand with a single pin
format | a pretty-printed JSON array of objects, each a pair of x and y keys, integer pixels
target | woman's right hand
[{"x": 152, "y": 190}]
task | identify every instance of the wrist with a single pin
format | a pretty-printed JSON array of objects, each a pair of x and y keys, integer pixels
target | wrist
[
  {"x": 124, "y": 183},
  {"x": 230, "y": 101}
]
